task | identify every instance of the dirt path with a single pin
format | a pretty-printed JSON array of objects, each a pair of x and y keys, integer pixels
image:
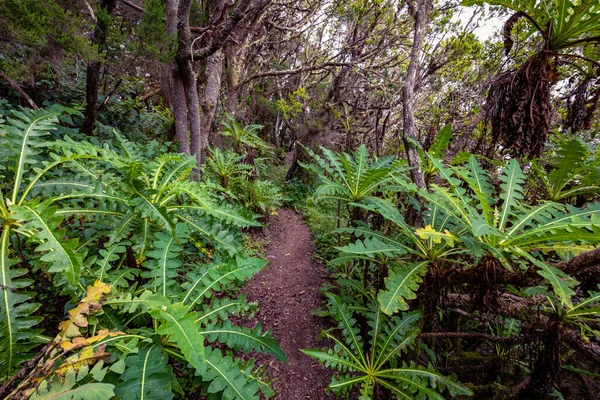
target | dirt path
[{"x": 287, "y": 292}]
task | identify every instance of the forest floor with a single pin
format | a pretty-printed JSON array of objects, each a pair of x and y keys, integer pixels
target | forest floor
[{"x": 287, "y": 290}]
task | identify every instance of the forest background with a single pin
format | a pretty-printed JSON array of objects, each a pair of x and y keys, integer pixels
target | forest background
[{"x": 450, "y": 179}]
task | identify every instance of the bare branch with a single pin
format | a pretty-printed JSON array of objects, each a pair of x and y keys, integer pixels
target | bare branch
[
  {"x": 21, "y": 92},
  {"x": 297, "y": 70}
]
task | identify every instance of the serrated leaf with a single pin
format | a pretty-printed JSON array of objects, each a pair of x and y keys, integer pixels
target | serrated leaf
[{"x": 401, "y": 285}]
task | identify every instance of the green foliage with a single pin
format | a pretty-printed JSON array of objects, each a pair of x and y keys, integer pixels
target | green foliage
[
  {"x": 146, "y": 376},
  {"x": 167, "y": 251},
  {"x": 66, "y": 390},
  {"x": 472, "y": 223},
  {"x": 571, "y": 172},
  {"x": 17, "y": 336},
  {"x": 349, "y": 177},
  {"x": 244, "y": 138},
  {"x": 573, "y": 22},
  {"x": 387, "y": 338}
]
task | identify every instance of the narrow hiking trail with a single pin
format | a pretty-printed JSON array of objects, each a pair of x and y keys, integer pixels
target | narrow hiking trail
[{"x": 287, "y": 290}]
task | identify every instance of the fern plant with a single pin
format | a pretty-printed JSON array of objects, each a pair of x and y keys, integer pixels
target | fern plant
[
  {"x": 572, "y": 172},
  {"x": 243, "y": 138},
  {"x": 103, "y": 217},
  {"x": 350, "y": 177},
  {"x": 381, "y": 366}
]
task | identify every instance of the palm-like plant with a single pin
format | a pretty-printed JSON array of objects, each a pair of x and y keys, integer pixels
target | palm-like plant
[
  {"x": 380, "y": 366},
  {"x": 244, "y": 137},
  {"x": 350, "y": 178},
  {"x": 573, "y": 172},
  {"x": 225, "y": 166},
  {"x": 520, "y": 99},
  {"x": 512, "y": 231}
]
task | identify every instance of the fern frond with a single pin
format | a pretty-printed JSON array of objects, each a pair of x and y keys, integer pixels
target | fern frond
[
  {"x": 229, "y": 377},
  {"x": 223, "y": 212},
  {"x": 401, "y": 285},
  {"x": 569, "y": 157},
  {"x": 242, "y": 338},
  {"x": 412, "y": 378},
  {"x": 512, "y": 190},
  {"x": 17, "y": 333},
  {"x": 372, "y": 247},
  {"x": 333, "y": 360},
  {"x": 441, "y": 141},
  {"x": 562, "y": 283},
  {"x": 181, "y": 328},
  {"x": 398, "y": 334},
  {"x": 24, "y": 132},
  {"x": 60, "y": 254},
  {"x": 147, "y": 376},
  {"x": 220, "y": 237},
  {"x": 346, "y": 323},
  {"x": 109, "y": 255},
  {"x": 222, "y": 309},
  {"x": 165, "y": 265},
  {"x": 201, "y": 285}
]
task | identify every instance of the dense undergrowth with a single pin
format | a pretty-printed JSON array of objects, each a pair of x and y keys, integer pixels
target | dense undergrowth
[
  {"x": 486, "y": 275},
  {"x": 120, "y": 268}
]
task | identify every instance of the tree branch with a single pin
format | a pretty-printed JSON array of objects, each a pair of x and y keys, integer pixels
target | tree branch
[
  {"x": 297, "y": 70},
  {"x": 134, "y": 6},
  {"x": 581, "y": 261},
  {"x": 19, "y": 90},
  {"x": 469, "y": 335},
  {"x": 235, "y": 18}
]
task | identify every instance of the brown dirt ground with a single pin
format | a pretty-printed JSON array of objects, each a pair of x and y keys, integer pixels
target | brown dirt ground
[{"x": 287, "y": 290}]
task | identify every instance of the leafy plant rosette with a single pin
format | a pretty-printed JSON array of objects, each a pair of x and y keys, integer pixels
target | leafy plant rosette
[{"x": 156, "y": 258}]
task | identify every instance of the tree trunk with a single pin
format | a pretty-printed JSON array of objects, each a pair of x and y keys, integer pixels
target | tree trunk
[
  {"x": 92, "y": 80},
  {"x": 172, "y": 86},
  {"x": 232, "y": 78},
  {"x": 408, "y": 92},
  {"x": 198, "y": 144},
  {"x": 211, "y": 94},
  {"x": 179, "y": 109}
]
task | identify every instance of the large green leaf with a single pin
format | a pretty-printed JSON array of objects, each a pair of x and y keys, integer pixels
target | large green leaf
[
  {"x": 181, "y": 328},
  {"x": 242, "y": 338},
  {"x": 228, "y": 377},
  {"x": 401, "y": 285},
  {"x": 16, "y": 312},
  {"x": 147, "y": 376},
  {"x": 59, "y": 253},
  {"x": 164, "y": 266},
  {"x": 512, "y": 190}
]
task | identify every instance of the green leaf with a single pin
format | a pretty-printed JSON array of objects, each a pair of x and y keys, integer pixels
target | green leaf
[
  {"x": 401, "y": 285},
  {"x": 240, "y": 337},
  {"x": 59, "y": 253},
  {"x": 201, "y": 285},
  {"x": 371, "y": 248},
  {"x": 561, "y": 282},
  {"x": 229, "y": 377},
  {"x": 16, "y": 320},
  {"x": 24, "y": 130},
  {"x": 165, "y": 263},
  {"x": 441, "y": 141},
  {"x": 147, "y": 376},
  {"x": 183, "y": 330},
  {"x": 512, "y": 190},
  {"x": 569, "y": 158}
]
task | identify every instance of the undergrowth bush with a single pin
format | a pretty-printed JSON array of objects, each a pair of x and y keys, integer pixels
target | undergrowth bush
[
  {"x": 147, "y": 262},
  {"x": 479, "y": 254}
]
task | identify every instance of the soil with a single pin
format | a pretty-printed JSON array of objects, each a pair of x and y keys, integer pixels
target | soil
[{"x": 287, "y": 290}]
